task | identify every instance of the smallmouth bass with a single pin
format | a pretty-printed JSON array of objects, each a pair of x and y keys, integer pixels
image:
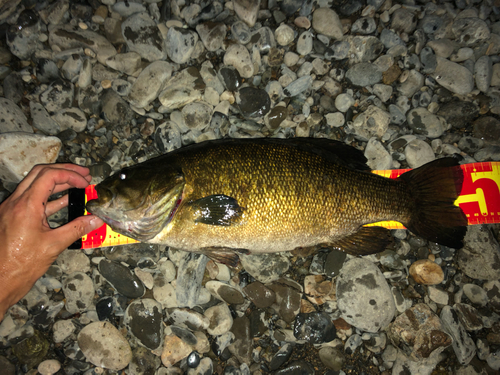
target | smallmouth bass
[{"x": 270, "y": 195}]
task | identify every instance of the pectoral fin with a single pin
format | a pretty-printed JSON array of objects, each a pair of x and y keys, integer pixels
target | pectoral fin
[
  {"x": 368, "y": 240},
  {"x": 216, "y": 210}
]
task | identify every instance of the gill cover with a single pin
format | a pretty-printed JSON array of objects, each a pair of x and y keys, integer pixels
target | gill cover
[{"x": 140, "y": 200}]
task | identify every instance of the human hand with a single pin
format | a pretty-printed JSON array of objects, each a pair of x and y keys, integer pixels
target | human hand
[{"x": 28, "y": 246}]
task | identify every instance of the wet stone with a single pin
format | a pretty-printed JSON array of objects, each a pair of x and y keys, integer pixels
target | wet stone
[
  {"x": 241, "y": 32},
  {"x": 59, "y": 95},
  {"x": 71, "y": 118},
  {"x": 104, "y": 308},
  {"x": 265, "y": 267},
  {"x": 363, "y": 296},
  {"x": 419, "y": 333},
  {"x": 364, "y": 25},
  {"x": 426, "y": 272},
  {"x": 42, "y": 120},
  {"x": 143, "y": 36},
  {"x": 297, "y": 367},
  {"x": 298, "y": 86},
  {"x": 143, "y": 362},
  {"x": 469, "y": 316},
  {"x": 487, "y": 128},
  {"x": 288, "y": 296},
  {"x": 30, "y": 352},
  {"x": 143, "y": 319},
  {"x": 332, "y": 358},
  {"x": 364, "y": 74},
  {"x": 79, "y": 292},
  {"x": 253, "y": 102},
  {"x": 189, "y": 278},
  {"x": 180, "y": 44},
  {"x": 62, "y": 330},
  {"x": 238, "y": 56},
  {"x": 334, "y": 262},
  {"x": 220, "y": 319},
  {"x": 453, "y": 77},
  {"x": 247, "y": 10},
  {"x": 224, "y": 292},
  {"x": 189, "y": 319},
  {"x": 115, "y": 109},
  {"x": 315, "y": 328},
  {"x": 241, "y": 348},
  {"x": 121, "y": 278},
  {"x": 463, "y": 345},
  {"x": 259, "y": 294},
  {"x": 167, "y": 137},
  {"x": 212, "y": 35},
  {"x": 104, "y": 346},
  {"x": 281, "y": 357},
  {"x": 49, "y": 367}
]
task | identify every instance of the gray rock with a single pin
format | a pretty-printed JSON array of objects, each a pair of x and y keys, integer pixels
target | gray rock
[
  {"x": 403, "y": 20},
  {"x": 397, "y": 115},
  {"x": 167, "y": 137},
  {"x": 412, "y": 83},
  {"x": 373, "y": 122},
  {"x": 463, "y": 345},
  {"x": 12, "y": 118},
  {"x": 180, "y": 44},
  {"x": 253, "y": 102},
  {"x": 126, "y": 9},
  {"x": 418, "y": 153},
  {"x": 325, "y": 21},
  {"x": 185, "y": 87},
  {"x": 20, "y": 152},
  {"x": 212, "y": 35},
  {"x": 104, "y": 346},
  {"x": 121, "y": 87},
  {"x": 363, "y": 296},
  {"x": 364, "y": 74},
  {"x": 262, "y": 40},
  {"x": 390, "y": 39},
  {"x": 483, "y": 71},
  {"x": 453, "y": 77},
  {"x": 360, "y": 49},
  {"x": 23, "y": 38},
  {"x": 225, "y": 292},
  {"x": 59, "y": 95},
  {"x": 424, "y": 122},
  {"x": 364, "y": 25},
  {"x": 265, "y": 267},
  {"x": 238, "y": 56},
  {"x": 62, "y": 329},
  {"x": 197, "y": 116},
  {"x": 115, "y": 109},
  {"x": 470, "y": 318},
  {"x": 71, "y": 67},
  {"x": 189, "y": 319},
  {"x": 143, "y": 36},
  {"x": 247, "y": 10},
  {"x": 72, "y": 261},
  {"x": 189, "y": 278},
  {"x": 149, "y": 83},
  {"x": 78, "y": 290},
  {"x": 305, "y": 43},
  {"x": 241, "y": 32},
  {"x": 480, "y": 256},
  {"x": 460, "y": 113},
  {"x": 428, "y": 60},
  {"x": 488, "y": 153},
  {"x": 13, "y": 87},
  {"x": 384, "y": 92},
  {"x": 220, "y": 319},
  {"x": 476, "y": 294},
  {"x": 42, "y": 120},
  {"x": 315, "y": 327},
  {"x": 298, "y": 86},
  {"x": 67, "y": 36},
  {"x": 470, "y": 31},
  {"x": 377, "y": 155},
  {"x": 71, "y": 118}
]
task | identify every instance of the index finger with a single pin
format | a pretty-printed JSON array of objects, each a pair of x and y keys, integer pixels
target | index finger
[
  {"x": 50, "y": 180},
  {"x": 39, "y": 168}
]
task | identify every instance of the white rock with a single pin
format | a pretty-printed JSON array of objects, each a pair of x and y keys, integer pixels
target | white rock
[
  {"x": 62, "y": 330},
  {"x": 418, "y": 153},
  {"x": 104, "y": 346},
  {"x": 20, "y": 152},
  {"x": 149, "y": 83},
  {"x": 238, "y": 56},
  {"x": 327, "y": 22},
  {"x": 49, "y": 367}
]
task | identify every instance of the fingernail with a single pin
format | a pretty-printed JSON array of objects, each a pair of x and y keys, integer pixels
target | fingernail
[{"x": 94, "y": 223}]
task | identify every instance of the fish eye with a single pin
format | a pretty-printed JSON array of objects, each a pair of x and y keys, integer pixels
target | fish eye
[{"x": 123, "y": 176}]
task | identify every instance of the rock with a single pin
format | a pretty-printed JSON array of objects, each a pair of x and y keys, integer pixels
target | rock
[
  {"x": 453, "y": 76},
  {"x": 298, "y": 86},
  {"x": 364, "y": 25},
  {"x": 79, "y": 292},
  {"x": 419, "y": 333},
  {"x": 144, "y": 320},
  {"x": 238, "y": 56},
  {"x": 483, "y": 71},
  {"x": 220, "y": 319},
  {"x": 59, "y": 95},
  {"x": 476, "y": 294},
  {"x": 62, "y": 330},
  {"x": 305, "y": 43},
  {"x": 297, "y": 367},
  {"x": 363, "y": 296},
  {"x": 464, "y": 347},
  {"x": 480, "y": 256},
  {"x": 403, "y": 20},
  {"x": 265, "y": 267},
  {"x": 325, "y": 21},
  {"x": 284, "y": 35},
  {"x": 241, "y": 348},
  {"x": 288, "y": 297},
  {"x": 487, "y": 128},
  {"x": 42, "y": 120},
  {"x": 212, "y": 35},
  {"x": 67, "y": 36},
  {"x": 377, "y": 155},
  {"x": 49, "y": 367},
  {"x": 426, "y": 272},
  {"x": 149, "y": 83},
  {"x": 73, "y": 261},
  {"x": 121, "y": 278},
  {"x": 189, "y": 278},
  {"x": 143, "y": 36},
  {"x": 418, "y": 153},
  {"x": 384, "y": 92},
  {"x": 128, "y": 63},
  {"x": 259, "y": 294},
  {"x": 343, "y": 102},
  {"x": 189, "y": 319},
  {"x": 180, "y": 44},
  {"x": 225, "y": 292},
  {"x": 373, "y": 122},
  {"x": 316, "y": 328},
  {"x": 12, "y": 119},
  {"x": 247, "y": 10},
  {"x": 104, "y": 346},
  {"x": 459, "y": 113},
  {"x": 468, "y": 316},
  {"x": 364, "y": 74},
  {"x": 253, "y": 102},
  {"x": 36, "y": 149},
  {"x": 424, "y": 122},
  {"x": 71, "y": 118},
  {"x": 411, "y": 82},
  {"x": 31, "y": 351}
]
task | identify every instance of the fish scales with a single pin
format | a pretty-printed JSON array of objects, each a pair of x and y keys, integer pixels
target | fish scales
[{"x": 291, "y": 198}]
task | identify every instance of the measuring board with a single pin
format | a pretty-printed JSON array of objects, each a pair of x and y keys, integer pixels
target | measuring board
[{"x": 479, "y": 200}]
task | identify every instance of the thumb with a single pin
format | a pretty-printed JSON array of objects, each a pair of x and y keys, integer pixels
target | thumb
[{"x": 67, "y": 234}]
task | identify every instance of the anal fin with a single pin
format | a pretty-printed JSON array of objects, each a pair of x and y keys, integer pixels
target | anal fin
[{"x": 368, "y": 240}]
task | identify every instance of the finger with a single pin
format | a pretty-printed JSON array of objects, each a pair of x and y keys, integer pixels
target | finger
[
  {"x": 37, "y": 169},
  {"x": 53, "y": 206},
  {"x": 50, "y": 180},
  {"x": 65, "y": 235}
]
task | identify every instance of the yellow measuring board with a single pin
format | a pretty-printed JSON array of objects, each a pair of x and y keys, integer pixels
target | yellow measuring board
[{"x": 479, "y": 199}]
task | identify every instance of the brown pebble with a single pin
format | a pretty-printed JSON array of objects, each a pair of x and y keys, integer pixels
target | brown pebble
[
  {"x": 106, "y": 84},
  {"x": 101, "y": 11},
  {"x": 302, "y": 22},
  {"x": 391, "y": 75},
  {"x": 426, "y": 272}
]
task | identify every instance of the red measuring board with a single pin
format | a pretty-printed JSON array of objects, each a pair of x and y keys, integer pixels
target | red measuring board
[{"x": 479, "y": 199}]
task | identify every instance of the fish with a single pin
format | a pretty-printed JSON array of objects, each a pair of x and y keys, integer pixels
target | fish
[{"x": 239, "y": 196}]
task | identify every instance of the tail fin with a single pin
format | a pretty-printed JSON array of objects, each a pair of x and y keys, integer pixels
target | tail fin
[{"x": 435, "y": 186}]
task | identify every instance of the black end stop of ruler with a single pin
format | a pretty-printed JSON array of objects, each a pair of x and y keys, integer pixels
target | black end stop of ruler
[{"x": 76, "y": 208}]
